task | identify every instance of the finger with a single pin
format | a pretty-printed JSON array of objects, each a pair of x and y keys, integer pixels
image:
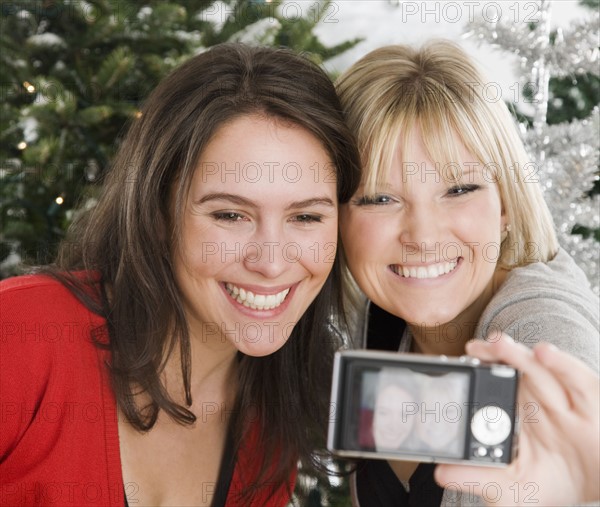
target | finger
[
  {"x": 481, "y": 349},
  {"x": 471, "y": 479},
  {"x": 581, "y": 382},
  {"x": 499, "y": 347}
]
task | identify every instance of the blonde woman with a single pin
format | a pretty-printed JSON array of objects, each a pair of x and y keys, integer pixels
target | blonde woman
[{"x": 449, "y": 238}]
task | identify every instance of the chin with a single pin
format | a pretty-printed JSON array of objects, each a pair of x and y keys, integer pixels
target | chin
[
  {"x": 258, "y": 349},
  {"x": 419, "y": 313},
  {"x": 428, "y": 320}
]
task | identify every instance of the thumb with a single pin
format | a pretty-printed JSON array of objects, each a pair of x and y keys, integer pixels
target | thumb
[{"x": 467, "y": 479}]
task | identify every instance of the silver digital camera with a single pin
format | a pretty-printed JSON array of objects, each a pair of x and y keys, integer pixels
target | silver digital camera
[{"x": 399, "y": 406}]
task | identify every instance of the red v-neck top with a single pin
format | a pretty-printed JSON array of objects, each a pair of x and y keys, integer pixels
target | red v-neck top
[{"x": 59, "y": 442}]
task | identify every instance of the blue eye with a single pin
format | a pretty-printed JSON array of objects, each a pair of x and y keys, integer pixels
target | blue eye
[
  {"x": 462, "y": 189},
  {"x": 373, "y": 200}
]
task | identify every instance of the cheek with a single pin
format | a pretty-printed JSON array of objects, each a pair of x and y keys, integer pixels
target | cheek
[
  {"x": 361, "y": 233},
  {"x": 206, "y": 250},
  {"x": 316, "y": 252},
  {"x": 481, "y": 225}
]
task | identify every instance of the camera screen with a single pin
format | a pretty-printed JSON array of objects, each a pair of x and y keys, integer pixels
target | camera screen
[{"x": 400, "y": 410}]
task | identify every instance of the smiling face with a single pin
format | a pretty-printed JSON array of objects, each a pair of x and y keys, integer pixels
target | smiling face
[
  {"x": 443, "y": 404},
  {"x": 258, "y": 234},
  {"x": 393, "y": 417},
  {"x": 423, "y": 246}
]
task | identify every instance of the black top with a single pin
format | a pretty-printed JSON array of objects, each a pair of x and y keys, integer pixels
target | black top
[
  {"x": 384, "y": 330},
  {"x": 378, "y": 486},
  {"x": 376, "y": 483},
  {"x": 225, "y": 473}
]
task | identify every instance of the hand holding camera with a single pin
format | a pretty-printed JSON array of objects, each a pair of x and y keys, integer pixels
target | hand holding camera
[{"x": 559, "y": 451}]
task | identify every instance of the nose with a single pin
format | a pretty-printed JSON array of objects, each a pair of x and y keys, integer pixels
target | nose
[
  {"x": 267, "y": 254},
  {"x": 421, "y": 230}
]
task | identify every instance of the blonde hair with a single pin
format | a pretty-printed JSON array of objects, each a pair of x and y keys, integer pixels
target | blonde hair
[{"x": 437, "y": 88}]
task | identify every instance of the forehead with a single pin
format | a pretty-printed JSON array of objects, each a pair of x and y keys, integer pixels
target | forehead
[
  {"x": 255, "y": 150},
  {"x": 425, "y": 150}
]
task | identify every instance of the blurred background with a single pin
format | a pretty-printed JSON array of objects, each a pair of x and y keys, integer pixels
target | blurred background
[{"x": 75, "y": 73}]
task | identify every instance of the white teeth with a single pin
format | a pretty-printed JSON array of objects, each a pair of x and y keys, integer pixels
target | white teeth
[
  {"x": 421, "y": 272},
  {"x": 256, "y": 301},
  {"x": 432, "y": 271}
]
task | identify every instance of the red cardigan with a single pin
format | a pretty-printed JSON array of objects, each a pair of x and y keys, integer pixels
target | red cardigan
[{"x": 59, "y": 441}]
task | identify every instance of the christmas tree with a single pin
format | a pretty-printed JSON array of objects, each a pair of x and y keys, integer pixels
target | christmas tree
[
  {"x": 560, "y": 78},
  {"x": 74, "y": 76}
]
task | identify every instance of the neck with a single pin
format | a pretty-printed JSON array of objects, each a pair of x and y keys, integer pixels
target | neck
[
  {"x": 451, "y": 337},
  {"x": 213, "y": 372}
]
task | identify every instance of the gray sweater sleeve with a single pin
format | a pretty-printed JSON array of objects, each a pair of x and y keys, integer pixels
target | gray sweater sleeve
[{"x": 549, "y": 302}]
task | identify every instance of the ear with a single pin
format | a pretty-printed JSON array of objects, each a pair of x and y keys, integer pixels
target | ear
[
  {"x": 503, "y": 217},
  {"x": 504, "y": 225}
]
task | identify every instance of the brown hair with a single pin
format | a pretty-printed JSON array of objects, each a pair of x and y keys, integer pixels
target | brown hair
[{"x": 127, "y": 239}]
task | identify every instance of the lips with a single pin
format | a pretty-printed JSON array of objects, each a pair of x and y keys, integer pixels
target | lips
[
  {"x": 256, "y": 301},
  {"x": 424, "y": 272}
]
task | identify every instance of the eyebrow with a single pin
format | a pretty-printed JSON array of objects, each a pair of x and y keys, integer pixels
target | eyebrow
[
  {"x": 307, "y": 203},
  {"x": 223, "y": 196},
  {"x": 242, "y": 201},
  {"x": 470, "y": 172}
]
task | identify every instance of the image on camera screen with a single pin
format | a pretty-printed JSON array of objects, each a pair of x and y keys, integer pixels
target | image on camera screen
[{"x": 408, "y": 412}]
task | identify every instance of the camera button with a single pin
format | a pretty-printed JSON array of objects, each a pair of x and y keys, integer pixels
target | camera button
[
  {"x": 491, "y": 425},
  {"x": 497, "y": 452},
  {"x": 480, "y": 451}
]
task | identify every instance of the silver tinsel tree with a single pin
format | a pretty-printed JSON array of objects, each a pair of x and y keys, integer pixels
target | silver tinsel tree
[{"x": 566, "y": 155}]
